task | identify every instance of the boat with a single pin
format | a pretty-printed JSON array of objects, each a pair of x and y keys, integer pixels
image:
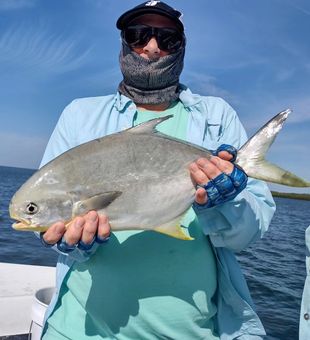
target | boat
[{"x": 25, "y": 291}]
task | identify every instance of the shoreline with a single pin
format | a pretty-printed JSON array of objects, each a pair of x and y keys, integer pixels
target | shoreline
[{"x": 304, "y": 197}]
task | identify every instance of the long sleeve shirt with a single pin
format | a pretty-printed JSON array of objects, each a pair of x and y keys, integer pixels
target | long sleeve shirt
[{"x": 231, "y": 227}]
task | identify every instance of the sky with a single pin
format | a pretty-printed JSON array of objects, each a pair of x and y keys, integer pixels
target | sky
[{"x": 255, "y": 54}]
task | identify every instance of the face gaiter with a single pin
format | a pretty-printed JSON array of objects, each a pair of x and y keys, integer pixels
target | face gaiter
[{"x": 150, "y": 81}]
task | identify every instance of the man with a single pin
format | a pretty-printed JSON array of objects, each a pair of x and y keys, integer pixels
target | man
[
  {"x": 142, "y": 285},
  {"x": 304, "y": 320}
]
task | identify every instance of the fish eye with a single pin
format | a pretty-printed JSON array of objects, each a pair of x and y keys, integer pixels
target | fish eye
[{"x": 31, "y": 208}]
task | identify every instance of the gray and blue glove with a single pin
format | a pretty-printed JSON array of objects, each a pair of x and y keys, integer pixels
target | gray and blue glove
[
  {"x": 64, "y": 247},
  {"x": 224, "y": 187}
]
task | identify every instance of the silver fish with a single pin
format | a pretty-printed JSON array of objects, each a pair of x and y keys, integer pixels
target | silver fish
[{"x": 138, "y": 177}]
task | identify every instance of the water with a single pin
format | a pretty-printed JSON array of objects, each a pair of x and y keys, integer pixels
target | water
[
  {"x": 16, "y": 246},
  {"x": 274, "y": 267}
]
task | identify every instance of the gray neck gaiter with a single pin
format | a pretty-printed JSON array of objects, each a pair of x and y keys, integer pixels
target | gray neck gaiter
[{"x": 148, "y": 81}]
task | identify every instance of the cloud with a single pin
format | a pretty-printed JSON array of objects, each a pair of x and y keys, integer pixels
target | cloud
[
  {"x": 301, "y": 109},
  {"x": 33, "y": 47},
  {"x": 206, "y": 85},
  {"x": 21, "y": 151},
  {"x": 7, "y": 5},
  {"x": 284, "y": 74},
  {"x": 257, "y": 107},
  {"x": 105, "y": 78},
  {"x": 298, "y": 7},
  {"x": 300, "y": 106},
  {"x": 298, "y": 53}
]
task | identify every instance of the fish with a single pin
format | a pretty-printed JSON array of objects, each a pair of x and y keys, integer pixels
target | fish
[{"x": 138, "y": 177}]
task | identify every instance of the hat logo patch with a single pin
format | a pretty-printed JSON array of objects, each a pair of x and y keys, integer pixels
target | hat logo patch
[{"x": 152, "y": 3}]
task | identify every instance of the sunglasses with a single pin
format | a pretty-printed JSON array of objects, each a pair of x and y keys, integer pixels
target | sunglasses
[{"x": 168, "y": 39}]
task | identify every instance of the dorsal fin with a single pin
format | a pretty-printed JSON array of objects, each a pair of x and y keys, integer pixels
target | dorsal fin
[{"x": 149, "y": 126}]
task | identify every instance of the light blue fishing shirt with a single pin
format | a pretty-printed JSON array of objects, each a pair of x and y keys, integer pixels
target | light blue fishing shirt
[
  {"x": 142, "y": 284},
  {"x": 231, "y": 227},
  {"x": 304, "y": 322}
]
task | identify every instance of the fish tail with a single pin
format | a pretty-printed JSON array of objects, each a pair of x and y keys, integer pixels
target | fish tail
[{"x": 251, "y": 156}]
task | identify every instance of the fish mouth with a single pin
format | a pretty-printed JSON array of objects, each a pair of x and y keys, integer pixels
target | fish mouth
[
  {"x": 28, "y": 227},
  {"x": 25, "y": 225}
]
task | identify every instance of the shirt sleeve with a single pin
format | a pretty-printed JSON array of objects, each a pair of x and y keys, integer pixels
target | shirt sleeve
[
  {"x": 63, "y": 136},
  {"x": 241, "y": 221},
  {"x": 304, "y": 323},
  {"x": 62, "y": 139}
]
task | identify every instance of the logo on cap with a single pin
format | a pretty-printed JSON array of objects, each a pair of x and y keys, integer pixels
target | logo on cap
[{"x": 152, "y": 3}]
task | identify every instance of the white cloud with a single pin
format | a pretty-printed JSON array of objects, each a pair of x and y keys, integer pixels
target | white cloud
[
  {"x": 256, "y": 110},
  {"x": 300, "y": 106},
  {"x": 33, "y": 47},
  {"x": 299, "y": 7},
  {"x": 21, "y": 151},
  {"x": 107, "y": 78},
  {"x": 7, "y": 5},
  {"x": 284, "y": 74},
  {"x": 297, "y": 54},
  {"x": 301, "y": 109},
  {"x": 206, "y": 85}
]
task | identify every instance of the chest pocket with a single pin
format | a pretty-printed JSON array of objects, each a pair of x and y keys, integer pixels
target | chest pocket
[{"x": 212, "y": 135}]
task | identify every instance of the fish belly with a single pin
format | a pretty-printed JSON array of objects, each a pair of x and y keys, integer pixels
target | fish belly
[{"x": 150, "y": 204}]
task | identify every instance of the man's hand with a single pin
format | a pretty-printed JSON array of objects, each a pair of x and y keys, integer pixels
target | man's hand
[
  {"x": 217, "y": 180},
  {"x": 81, "y": 232},
  {"x": 203, "y": 170}
]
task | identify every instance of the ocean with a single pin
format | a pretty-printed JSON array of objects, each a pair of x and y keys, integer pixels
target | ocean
[{"x": 274, "y": 266}]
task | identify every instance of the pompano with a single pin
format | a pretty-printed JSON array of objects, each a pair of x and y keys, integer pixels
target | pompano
[{"x": 138, "y": 177}]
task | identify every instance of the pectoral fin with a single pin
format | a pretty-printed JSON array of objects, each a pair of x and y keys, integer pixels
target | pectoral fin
[
  {"x": 97, "y": 202},
  {"x": 174, "y": 229}
]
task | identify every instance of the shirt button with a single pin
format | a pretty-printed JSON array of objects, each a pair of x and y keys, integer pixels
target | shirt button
[{"x": 306, "y": 316}]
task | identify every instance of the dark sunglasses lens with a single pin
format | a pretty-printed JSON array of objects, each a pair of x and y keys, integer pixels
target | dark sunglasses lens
[
  {"x": 169, "y": 40},
  {"x": 136, "y": 35}
]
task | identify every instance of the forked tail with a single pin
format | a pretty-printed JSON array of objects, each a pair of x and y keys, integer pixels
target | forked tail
[{"x": 251, "y": 156}]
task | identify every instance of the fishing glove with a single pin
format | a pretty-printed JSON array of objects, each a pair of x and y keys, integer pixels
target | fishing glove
[
  {"x": 224, "y": 187},
  {"x": 229, "y": 148},
  {"x": 64, "y": 247}
]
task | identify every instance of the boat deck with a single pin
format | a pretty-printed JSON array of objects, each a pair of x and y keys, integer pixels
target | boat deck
[{"x": 18, "y": 284}]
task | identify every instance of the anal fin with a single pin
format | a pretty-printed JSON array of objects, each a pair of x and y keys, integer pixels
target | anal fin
[{"x": 174, "y": 229}]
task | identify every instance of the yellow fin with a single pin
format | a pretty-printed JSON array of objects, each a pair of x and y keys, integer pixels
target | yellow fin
[{"x": 174, "y": 229}]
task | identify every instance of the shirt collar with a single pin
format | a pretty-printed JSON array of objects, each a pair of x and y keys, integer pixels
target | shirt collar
[
  {"x": 188, "y": 98},
  {"x": 121, "y": 102}
]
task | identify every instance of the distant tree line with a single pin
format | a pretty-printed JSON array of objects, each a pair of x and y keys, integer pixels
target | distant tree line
[{"x": 305, "y": 197}]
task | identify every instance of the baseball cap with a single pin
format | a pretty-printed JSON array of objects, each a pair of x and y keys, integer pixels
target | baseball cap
[{"x": 150, "y": 7}]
